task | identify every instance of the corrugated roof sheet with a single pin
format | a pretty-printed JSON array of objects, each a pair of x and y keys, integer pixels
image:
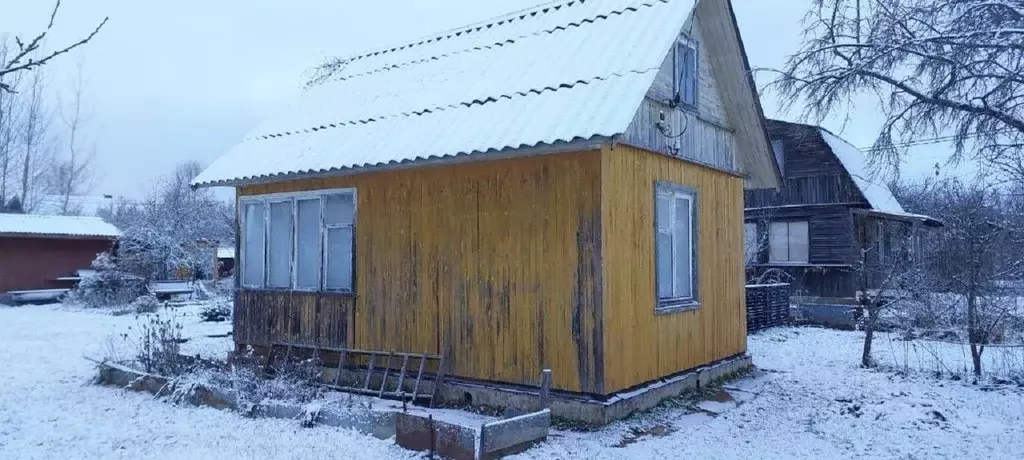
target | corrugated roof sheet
[
  {"x": 576, "y": 70},
  {"x": 874, "y": 190},
  {"x": 32, "y": 224}
]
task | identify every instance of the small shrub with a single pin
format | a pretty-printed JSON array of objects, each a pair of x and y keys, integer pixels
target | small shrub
[
  {"x": 216, "y": 312},
  {"x": 159, "y": 349},
  {"x": 108, "y": 286},
  {"x": 145, "y": 304}
]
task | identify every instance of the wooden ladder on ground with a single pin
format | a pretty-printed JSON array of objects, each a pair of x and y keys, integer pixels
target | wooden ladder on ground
[{"x": 348, "y": 360}]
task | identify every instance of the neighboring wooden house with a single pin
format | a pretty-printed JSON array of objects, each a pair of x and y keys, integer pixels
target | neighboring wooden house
[
  {"x": 45, "y": 252},
  {"x": 830, "y": 207},
  {"x": 558, "y": 188}
]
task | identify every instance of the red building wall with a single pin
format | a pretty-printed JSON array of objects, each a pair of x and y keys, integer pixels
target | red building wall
[{"x": 34, "y": 263}]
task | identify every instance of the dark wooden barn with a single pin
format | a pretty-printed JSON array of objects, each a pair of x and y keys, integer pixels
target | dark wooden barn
[
  {"x": 830, "y": 207},
  {"x": 44, "y": 252}
]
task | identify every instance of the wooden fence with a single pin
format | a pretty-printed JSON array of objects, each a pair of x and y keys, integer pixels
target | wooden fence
[{"x": 767, "y": 306}]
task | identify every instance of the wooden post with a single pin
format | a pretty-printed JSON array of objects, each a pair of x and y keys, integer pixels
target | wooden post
[
  {"x": 545, "y": 389},
  {"x": 430, "y": 423}
]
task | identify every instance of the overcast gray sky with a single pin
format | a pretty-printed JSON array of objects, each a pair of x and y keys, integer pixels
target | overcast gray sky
[{"x": 175, "y": 80}]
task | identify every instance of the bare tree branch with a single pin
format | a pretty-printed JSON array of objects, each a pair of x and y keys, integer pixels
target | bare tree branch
[
  {"x": 24, "y": 60},
  {"x": 936, "y": 66}
]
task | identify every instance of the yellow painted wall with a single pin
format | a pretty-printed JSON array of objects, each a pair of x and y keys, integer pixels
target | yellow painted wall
[
  {"x": 524, "y": 264},
  {"x": 498, "y": 259},
  {"x": 640, "y": 345}
]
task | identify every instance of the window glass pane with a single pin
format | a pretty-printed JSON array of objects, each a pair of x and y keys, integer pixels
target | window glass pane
[
  {"x": 662, "y": 216},
  {"x": 279, "y": 247},
  {"x": 798, "y": 242},
  {"x": 750, "y": 242},
  {"x": 778, "y": 242},
  {"x": 690, "y": 79},
  {"x": 683, "y": 252},
  {"x": 664, "y": 268},
  {"x": 339, "y": 258},
  {"x": 252, "y": 245},
  {"x": 307, "y": 255},
  {"x": 339, "y": 209}
]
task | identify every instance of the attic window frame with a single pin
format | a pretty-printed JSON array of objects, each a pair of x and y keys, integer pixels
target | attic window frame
[{"x": 682, "y": 42}]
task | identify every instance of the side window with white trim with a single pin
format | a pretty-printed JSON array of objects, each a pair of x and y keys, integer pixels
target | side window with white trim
[{"x": 675, "y": 219}]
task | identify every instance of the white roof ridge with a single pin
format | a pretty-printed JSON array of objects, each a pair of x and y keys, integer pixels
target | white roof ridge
[
  {"x": 441, "y": 108},
  {"x": 489, "y": 23}
]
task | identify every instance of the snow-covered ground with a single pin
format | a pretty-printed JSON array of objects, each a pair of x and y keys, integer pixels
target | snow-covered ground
[
  {"x": 809, "y": 400},
  {"x": 49, "y": 410}
]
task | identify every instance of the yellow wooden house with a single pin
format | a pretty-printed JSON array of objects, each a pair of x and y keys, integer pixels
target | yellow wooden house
[{"x": 559, "y": 188}]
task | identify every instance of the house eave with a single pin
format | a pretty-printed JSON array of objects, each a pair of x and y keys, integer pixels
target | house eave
[{"x": 577, "y": 145}]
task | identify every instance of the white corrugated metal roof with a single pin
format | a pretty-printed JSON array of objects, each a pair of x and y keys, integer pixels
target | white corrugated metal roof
[
  {"x": 32, "y": 224},
  {"x": 874, "y": 190},
  {"x": 575, "y": 70}
]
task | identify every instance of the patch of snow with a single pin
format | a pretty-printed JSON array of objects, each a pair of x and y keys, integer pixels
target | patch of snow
[
  {"x": 812, "y": 401},
  {"x": 48, "y": 409},
  {"x": 874, "y": 190},
  {"x": 30, "y": 224},
  {"x": 808, "y": 400}
]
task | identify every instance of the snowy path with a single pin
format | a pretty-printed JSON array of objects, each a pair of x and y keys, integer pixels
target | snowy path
[
  {"x": 47, "y": 409},
  {"x": 813, "y": 402},
  {"x": 810, "y": 402}
]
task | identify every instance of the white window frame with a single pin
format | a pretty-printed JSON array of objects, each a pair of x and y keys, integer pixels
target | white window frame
[
  {"x": 677, "y": 302},
  {"x": 294, "y": 198},
  {"x": 678, "y": 62},
  {"x": 789, "y": 247}
]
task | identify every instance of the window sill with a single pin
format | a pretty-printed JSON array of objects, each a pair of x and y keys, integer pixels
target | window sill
[
  {"x": 297, "y": 291},
  {"x": 666, "y": 307}
]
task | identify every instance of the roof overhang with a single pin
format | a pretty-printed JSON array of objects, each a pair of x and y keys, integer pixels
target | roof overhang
[
  {"x": 741, "y": 100},
  {"x": 577, "y": 145},
  {"x": 922, "y": 219}
]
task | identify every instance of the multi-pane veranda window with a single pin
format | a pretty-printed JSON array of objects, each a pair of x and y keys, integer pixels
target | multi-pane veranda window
[
  {"x": 300, "y": 241},
  {"x": 788, "y": 242},
  {"x": 675, "y": 219}
]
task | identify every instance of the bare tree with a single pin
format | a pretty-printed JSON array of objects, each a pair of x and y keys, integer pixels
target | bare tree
[
  {"x": 175, "y": 227},
  {"x": 937, "y": 67},
  {"x": 887, "y": 273},
  {"x": 70, "y": 175},
  {"x": 30, "y": 54},
  {"x": 10, "y": 121},
  {"x": 35, "y": 140},
  {"x": 977, "y": 256}
]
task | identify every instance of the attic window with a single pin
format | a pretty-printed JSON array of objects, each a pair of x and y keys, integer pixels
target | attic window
[
  {"x": 686, "y": 72},
  {"x": 780, "y": 155}
]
